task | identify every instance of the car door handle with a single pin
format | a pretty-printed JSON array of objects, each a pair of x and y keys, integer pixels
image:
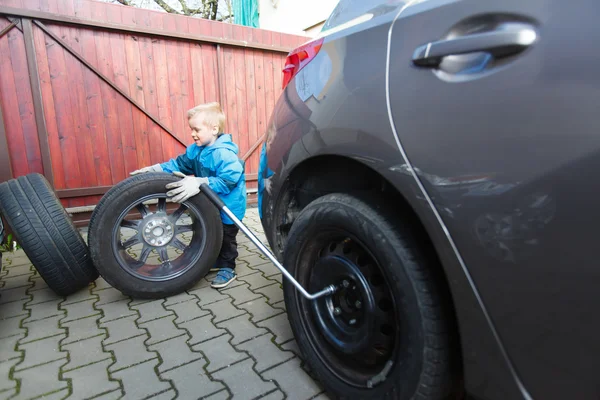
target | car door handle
[{"x": 505, "y": 40}]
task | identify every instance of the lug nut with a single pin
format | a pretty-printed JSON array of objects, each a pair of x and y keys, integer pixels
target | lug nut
[
  {"x": 153, "y": 241},
  {"x": 337, "y": 311},
  {"x": 168, "y": 227},
  {"x": 345, "y": 283},
  {"x": 352, "y": 321},
  {"x": 358, "y": 304}
]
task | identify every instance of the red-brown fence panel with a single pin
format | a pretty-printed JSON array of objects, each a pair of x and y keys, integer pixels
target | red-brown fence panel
[{"x": 90, "y": 91}]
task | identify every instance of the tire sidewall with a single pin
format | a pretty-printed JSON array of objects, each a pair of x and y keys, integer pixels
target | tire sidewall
[
  {"x": 101, "y": 241},
  {"x": 356, "y": 218}
]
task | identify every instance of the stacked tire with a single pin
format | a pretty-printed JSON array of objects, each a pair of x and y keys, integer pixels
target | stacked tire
[{"x": 46, "y": 233}]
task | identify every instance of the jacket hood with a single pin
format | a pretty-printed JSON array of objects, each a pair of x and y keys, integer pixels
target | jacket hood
[{"x": 223, "y": 142}]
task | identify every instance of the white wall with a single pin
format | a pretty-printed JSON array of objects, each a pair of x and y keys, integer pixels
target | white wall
[{"x": 294, "y": 16}]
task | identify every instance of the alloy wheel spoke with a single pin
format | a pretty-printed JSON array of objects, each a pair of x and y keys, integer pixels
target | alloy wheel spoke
[
  {"x": 143, "y": 210},
  {"x": 132, "y": 241},
  {"x": 130, "y": 223},
  {"x": 183, "y": 228},
  {"x": 177, "y": 213},
  {"x": 178, "y": 244},
  {"x": 162, "y": 204}
]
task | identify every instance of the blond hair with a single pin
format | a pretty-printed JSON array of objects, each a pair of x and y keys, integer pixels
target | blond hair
[{"x": 212, "y": 114}]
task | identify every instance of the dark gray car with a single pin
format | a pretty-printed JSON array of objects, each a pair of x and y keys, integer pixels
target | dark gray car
[{"x": 439, "y": 161}]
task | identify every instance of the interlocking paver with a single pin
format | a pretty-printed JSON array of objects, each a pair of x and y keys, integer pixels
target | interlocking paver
[
  {"x": 121, "y": 329},
  {"x": 256, "y": 280},
  {"x": 280, "y": 327},
  {"x": 272, "y": 292},
  {"x": 91, "y": 380},
  {"x": 208, "y": 295},
  {"x": 293, "y": 380},
  {"x": 241, "y": 294},
  {"x": 109, "y": 295},
  {"x": 223, "y": 310},
  {"x": 14, "y": 294},
  {"x": 11, "y": 327},
  {"x": 38, "y": 284},
  {"x": 85, "y": 352},
  {"x": 243, "y": 381},
  {"x": 44, "y": 310},
  {"x": 13, "y": 309},
  {"x": 79, "y": 310},
  {"x": 5, "y": 383},
  {"x": 267, "y": 268},
  {"x": 179, "y": 298},
  {"x": 166, "y": 395},
  {"x": 24, "y": 269},
  {"x": 260, "y": 309},
  {"x": 151, "y": 310},
  {"x": 140, "y": 381},
  {"x": 113, "y": 395},
  {"x": 202, "y": 329},
  {"x": 276, "y": 395},
  {"x": 175, "y": 352},
  {"x": 222, "y": 395},
  {"x": 161, "y": 329},
  {"x": 192, "y": 382},
  {"x": 14, "y": 282},
  {"x": 100, "y": 284},
  {"x": 265, "y": 352},
  {"x": 42, "y": 329},
  {"x": 8, "y": 348},
  {"x": 80, "y": 329},
  {"x": 79, "y": 296},
  {"x": 41, "y": 351},
  {"x": 241, "y": 328},
  {"x": 292, "y": 346},
  {"x": 187, "y": 310},
  {"x": 42, "y": 296},
  {"x": 220, "y": 353},
  {"x": 115, "y": 310},
  {"x": 130, "y": 352},
  {"x": 41, "y": 379}
]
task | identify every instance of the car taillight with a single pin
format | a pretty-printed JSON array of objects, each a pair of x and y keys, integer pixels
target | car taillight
[{"x": 298, "y": 58}]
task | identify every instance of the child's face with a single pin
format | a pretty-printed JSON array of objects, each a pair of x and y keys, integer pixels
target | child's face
[{"x": 202, "y": 133}]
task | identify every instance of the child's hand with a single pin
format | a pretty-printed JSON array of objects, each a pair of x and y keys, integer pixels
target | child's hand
[
  {"x": 152, "y": 168},
  {"x": 185, "y": 188}
]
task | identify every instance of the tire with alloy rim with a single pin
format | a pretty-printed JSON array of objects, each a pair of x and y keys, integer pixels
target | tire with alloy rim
[
  {"x": 148, "y": 247},
  {"x": 386, "y": 333},
  {"x": 46, "y": 233}
]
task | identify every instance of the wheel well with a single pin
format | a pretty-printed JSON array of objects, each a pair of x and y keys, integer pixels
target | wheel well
[{"x": 322, "y": 175}]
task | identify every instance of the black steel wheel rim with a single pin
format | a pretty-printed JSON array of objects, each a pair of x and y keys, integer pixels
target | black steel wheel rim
[
  {"x": 356, "y": 331},
  {"x": 159, "y": 233}
]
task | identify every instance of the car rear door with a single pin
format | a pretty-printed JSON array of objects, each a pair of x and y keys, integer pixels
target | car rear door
[{"x": 495, "y": 105}]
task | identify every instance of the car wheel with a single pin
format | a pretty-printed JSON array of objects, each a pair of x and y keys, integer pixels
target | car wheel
[
  {"x": 147, "y": 247},
  {"x": 46, "y": 233},
  {"x": 386, "y": 333}
]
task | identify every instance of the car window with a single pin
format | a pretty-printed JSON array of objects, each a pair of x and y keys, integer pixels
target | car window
[{"x": 347, "y": 10}]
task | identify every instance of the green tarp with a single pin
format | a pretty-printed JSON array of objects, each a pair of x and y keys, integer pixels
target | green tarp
[{"x": 245, "y": 12}]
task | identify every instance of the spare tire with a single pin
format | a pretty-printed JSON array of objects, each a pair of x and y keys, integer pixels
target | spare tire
[
  {"x": 46, "y": 233},
  {"x": 147, "y": 247}
]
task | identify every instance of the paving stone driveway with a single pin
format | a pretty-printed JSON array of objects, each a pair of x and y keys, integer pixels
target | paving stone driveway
[{"x": 97, "y": 343}]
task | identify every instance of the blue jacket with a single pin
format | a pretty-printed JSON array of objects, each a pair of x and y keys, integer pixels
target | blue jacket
[{"x": 224, "y": 170}]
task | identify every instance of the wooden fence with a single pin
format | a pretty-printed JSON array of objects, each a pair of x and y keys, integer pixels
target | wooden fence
[{"x": 90, "y": 91}]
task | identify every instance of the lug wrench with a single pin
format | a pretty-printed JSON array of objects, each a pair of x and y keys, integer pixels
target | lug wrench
[{"x": 214, "y": 198}]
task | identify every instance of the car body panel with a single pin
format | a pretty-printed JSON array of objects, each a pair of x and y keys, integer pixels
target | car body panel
[{"x": 508, "y": 156}]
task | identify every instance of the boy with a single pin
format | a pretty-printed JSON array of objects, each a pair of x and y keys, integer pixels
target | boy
[{"x": 213, "y": 160}]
